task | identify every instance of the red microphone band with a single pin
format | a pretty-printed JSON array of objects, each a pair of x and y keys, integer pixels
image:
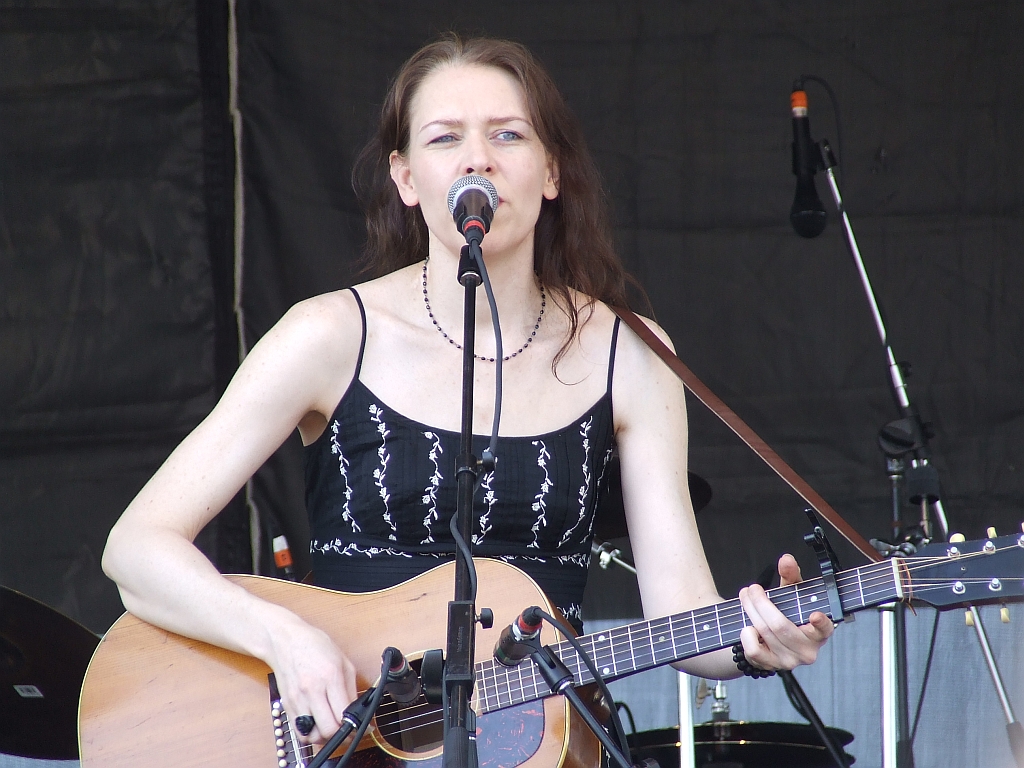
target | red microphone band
[{"x": 527, "y": 628}]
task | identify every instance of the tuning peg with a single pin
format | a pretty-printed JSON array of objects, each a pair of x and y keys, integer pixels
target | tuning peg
[
  {"x": 969, "y": 618},
  {"x": 957, "y": 538},
  {"x": 990, "y": 532},
  {"x": 1004, "y": 614}
]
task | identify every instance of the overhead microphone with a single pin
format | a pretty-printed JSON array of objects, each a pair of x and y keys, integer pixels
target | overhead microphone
[
  {"x": 403, "y": 684},
  {"x": 807, "y": 215},
  {"x": 514, "y": 642},
  {"x": 472, "y": 201}
]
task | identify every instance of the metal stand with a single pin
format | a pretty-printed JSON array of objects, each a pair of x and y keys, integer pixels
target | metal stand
[
  {"x": 459, "y": 719},
  {"x": 687, "y": 757},
  {"x": 911, "y": 435}
]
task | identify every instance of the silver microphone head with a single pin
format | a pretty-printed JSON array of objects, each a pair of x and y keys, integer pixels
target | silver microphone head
[{"x": 465, "y": 183}]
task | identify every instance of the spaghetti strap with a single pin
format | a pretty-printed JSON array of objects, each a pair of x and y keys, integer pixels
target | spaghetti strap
[
  {"x": 362, "y": 341},
  {"x": 611, "y": 353}
]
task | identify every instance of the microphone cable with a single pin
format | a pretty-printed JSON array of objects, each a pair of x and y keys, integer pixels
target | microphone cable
[{"x": 378, "y": 693}]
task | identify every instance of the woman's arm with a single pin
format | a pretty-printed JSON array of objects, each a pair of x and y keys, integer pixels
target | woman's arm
[
  {"x": 290, "y": 375},
  {"x": 672, "y": 569}
]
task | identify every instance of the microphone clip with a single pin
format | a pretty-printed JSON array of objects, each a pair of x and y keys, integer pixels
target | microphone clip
[{"x": 520, "y": 639}]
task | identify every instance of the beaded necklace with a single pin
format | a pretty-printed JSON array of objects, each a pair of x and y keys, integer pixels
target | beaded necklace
[{"x": 454, "y": 343}]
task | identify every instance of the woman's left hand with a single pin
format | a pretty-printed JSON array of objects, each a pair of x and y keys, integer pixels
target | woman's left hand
[{"x": 773, "y": 641}]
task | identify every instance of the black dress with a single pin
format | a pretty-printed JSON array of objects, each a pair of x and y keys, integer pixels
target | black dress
[{"x": 381, "y": 490}]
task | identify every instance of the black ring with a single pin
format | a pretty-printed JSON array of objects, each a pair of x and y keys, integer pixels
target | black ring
[{"x": 304, "y": 724}]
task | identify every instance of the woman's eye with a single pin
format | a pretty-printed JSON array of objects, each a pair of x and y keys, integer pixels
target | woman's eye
[
  {"x": 508, "y": 136},
  {"x": 445, "y": 139}
]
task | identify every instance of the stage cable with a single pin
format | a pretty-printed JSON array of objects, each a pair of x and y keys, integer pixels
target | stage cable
[
  {"x": 570, "y": 637},
  {"x": 924, "y": 679},
  {"x": 255, "y": 524}
]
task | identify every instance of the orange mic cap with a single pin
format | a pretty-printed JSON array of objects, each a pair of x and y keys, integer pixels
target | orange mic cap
[{"x": 798, "y": 103}]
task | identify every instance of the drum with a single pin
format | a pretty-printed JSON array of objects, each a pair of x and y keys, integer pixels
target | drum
[
  {"x": 737, "y": 744},
  {"x": 43, "y": 658}
]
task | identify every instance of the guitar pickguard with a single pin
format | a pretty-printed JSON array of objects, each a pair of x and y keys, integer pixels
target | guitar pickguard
[{"x": 505, "y": 739}]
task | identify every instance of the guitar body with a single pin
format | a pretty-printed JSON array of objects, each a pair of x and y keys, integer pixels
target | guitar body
[{"x": 154, "y": 698}]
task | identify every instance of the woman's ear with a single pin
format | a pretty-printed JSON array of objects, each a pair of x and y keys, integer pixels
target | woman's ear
[
  {"x": 401, "y": 175},
  {"x": 551, "y": 185}
]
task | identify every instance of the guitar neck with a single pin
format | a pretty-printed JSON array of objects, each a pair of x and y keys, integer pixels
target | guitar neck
[{"x": 643, "y": 645}]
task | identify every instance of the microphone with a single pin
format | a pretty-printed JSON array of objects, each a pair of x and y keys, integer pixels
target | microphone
[
  {"x": 807, "y": 215},
  {"x": 515, "y": 641},
  {"x": 472, "y": 201},
  {"x": 402, "y": 682}
]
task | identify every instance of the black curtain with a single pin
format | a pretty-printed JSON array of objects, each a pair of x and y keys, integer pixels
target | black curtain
[
  {"x": 685, "y": 106},
  {"x": 116, "y": 270},
  {"x": 116, "y": 241}
]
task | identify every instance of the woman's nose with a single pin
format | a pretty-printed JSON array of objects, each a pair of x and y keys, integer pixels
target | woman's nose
[{"x": 478, "y": 156}]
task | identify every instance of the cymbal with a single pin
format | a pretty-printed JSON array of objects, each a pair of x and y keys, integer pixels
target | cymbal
[
  {"x": 750, "y": 744},
  {"x": 610, "y": 518},
  {"x": 43, "y": 658}
]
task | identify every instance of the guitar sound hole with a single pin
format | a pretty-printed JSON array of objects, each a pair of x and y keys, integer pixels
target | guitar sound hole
[
  {"x": 415, "y": 727},
  {"x": 506, "y": 738}
]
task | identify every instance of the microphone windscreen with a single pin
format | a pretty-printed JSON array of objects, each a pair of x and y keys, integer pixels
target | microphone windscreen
[{"x": 464, "y": 183}]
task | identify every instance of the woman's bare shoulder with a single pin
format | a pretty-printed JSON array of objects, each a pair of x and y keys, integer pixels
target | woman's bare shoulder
[
  {"x": 317, "y": 341},
  {"x": 597, "y": 320},
  {"x": 389, "y": 294}
]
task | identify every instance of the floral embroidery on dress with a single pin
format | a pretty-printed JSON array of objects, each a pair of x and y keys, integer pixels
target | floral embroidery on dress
[
  {"x": 573, "y": 558},
  {"x": 346, "y": 512},
  {"x": 539, "y": 501},
  {"x": 490, "y": 499},
  {"x": 600, "y": 482},
  {"x": 430, "y": 492},
  {"x": 585, "y": 487},
  {"x": 572, "y": 611},
  {"x": 339, "y": 547},
  {"x": 380, "y": 474}
]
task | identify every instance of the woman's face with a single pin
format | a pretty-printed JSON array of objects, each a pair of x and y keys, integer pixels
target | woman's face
[{"x": 473, "y": 119}]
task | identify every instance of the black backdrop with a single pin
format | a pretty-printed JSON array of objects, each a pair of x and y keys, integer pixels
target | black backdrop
[{"x": 117, "y": 255}]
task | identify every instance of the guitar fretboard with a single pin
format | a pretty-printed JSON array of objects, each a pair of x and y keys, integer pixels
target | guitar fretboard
[{"x": 642, "y": 645}]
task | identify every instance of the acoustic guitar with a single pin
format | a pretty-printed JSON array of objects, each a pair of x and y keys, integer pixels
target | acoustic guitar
[{"x": 153, "y": 698}]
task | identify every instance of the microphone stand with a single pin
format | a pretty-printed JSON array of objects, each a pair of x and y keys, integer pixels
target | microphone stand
[
  {"x": 459, "y": 718},
  {"x": 924, "y": 489}
]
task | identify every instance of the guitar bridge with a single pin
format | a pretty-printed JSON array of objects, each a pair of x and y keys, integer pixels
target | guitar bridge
[{"x": 290, "y": 752}]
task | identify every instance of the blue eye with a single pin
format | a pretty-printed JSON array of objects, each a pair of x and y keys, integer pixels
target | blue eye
[
  {"x": 445, "y": 139},
  {"x": 508, "y": 135}
]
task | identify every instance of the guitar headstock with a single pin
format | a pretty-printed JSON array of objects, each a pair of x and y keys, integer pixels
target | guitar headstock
[{"x": 967, "y": 572}]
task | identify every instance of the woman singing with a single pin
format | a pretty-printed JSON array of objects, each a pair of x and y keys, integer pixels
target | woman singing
[{"x": 371, "y": 378}]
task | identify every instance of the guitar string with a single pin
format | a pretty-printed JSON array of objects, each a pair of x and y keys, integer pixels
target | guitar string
[
  {"x": 511, "y": 691},
  {"x": 622, "y": 637},
  {"x": 292, "y": 746},
  {"x": 871, "y": 577},
  {"x": 510, "y": 687},
  {"x": 435, "y": 722}
]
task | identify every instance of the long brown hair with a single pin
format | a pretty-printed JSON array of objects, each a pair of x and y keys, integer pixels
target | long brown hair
[{"x": 573, "y": 244}]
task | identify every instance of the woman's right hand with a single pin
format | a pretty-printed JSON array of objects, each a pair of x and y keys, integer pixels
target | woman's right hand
[{"x": 314, "y": 677}]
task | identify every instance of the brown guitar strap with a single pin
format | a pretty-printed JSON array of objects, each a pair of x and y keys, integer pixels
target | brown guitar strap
[{"x": 745, "y": 433}]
